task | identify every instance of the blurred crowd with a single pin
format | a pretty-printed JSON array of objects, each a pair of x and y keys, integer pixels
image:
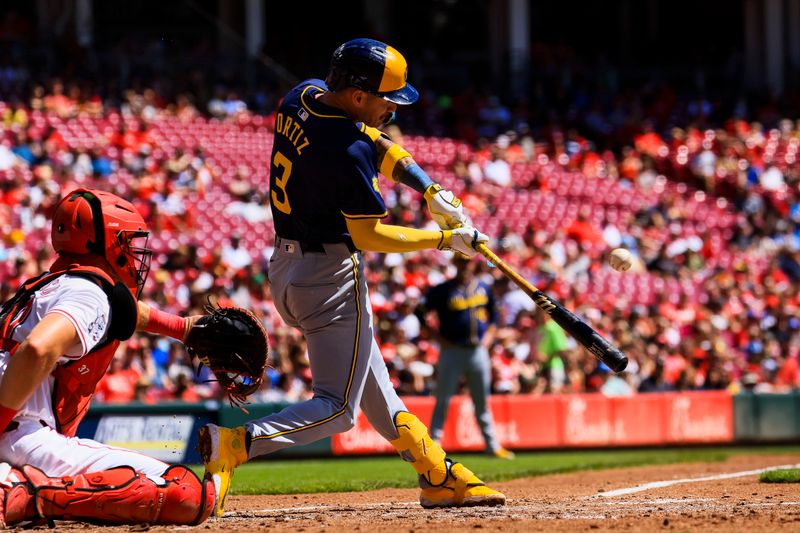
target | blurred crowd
[{"x": 738, "y": 328}]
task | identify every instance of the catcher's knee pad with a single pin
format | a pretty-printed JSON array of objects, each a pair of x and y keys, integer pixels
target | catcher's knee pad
[
  {"x": 188, "y": 499},
  {"x": 417, "y": 447}
]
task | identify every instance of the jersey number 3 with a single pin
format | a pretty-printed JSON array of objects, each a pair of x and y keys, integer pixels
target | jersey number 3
[{"x": 282, "y": 162}]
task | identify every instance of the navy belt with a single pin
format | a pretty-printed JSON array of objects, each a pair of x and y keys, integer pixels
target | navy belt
[
  {"x": 313, "y": 247},
  {"x": 319, "y": 248}
]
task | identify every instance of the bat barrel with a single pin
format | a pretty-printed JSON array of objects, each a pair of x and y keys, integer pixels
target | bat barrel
[
  {"x": 582, "y": 332},
  {"x": 610, "y": 355}
]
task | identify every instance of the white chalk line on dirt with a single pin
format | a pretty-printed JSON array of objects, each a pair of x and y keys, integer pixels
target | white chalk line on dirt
[
  {"x": 671, "y": 482},
  {"x": 346, "y": 507},
  {"x": 328, "y": 507},
  {"x": 663, "y": 501},
  {"x": 500, "y": 510}
]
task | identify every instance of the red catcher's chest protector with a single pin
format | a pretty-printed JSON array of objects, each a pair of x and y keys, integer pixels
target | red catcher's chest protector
[{"x": 75, "y": 381}]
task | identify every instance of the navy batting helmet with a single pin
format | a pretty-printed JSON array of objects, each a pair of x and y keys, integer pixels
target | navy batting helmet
[{"x": 374, "y": 67}]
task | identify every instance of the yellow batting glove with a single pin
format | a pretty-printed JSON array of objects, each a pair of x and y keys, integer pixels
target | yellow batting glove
[{"x": 445, "y": 208}]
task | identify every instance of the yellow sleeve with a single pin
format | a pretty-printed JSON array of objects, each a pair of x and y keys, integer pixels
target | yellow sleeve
[
  {"x": 389, "y": 153},
  {"x": 370, "y": 235}
]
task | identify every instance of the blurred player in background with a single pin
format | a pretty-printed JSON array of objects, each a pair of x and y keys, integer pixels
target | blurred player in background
[
  {"x": 58, "y": 335},
  {"x": 465, "y": 309},
  {"x": 327, "y": 207}
]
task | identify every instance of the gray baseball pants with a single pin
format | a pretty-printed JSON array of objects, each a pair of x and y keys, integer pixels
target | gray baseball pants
[
  {"x": 326, "y": 297},
  {"x": 472, "y": 362}
]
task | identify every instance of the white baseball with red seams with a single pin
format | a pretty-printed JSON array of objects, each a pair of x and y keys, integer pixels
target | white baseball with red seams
[{"x": 620, "y": 259}]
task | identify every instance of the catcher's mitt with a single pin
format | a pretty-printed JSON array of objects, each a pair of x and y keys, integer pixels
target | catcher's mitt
[{"x": 233, "y": 343}]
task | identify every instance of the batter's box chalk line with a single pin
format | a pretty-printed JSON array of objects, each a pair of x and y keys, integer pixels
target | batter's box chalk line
[
  {"x": 671, "y": 482},
  {"x": 266, "y": 513},
  {"x": 318, "y": 508}
]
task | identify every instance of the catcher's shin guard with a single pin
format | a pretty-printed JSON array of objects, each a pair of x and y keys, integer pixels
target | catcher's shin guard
[
  {"x": 123, "y": 496},
  {"x": 16, "y": 502},
  {"x": 188, "y": 499},
  {"x": 443, "y": 483}
]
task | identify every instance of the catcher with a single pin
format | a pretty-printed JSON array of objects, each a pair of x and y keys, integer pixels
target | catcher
[{"x": 58, "y": 335}]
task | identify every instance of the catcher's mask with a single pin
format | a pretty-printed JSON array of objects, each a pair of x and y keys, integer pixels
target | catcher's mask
[
  {"x": 88, "y": 221},
  {"x": 374, "y": 67}
]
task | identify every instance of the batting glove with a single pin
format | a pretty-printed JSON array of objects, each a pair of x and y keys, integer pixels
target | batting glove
[
  {"x": 445, "y": 208},
  {"x": 464, "y": 241}
]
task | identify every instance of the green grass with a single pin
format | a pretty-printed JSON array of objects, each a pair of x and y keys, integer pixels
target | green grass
[
  {"x": 788, "y": 475},
  {"x": 295, "y": 476}
]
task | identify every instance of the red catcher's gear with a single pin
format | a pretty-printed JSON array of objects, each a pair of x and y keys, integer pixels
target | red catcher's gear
[
  {"x": 16, "y": 499},
  {"x": 88, "y": 221},
  {"x": 116, "y": 496},
  {"x": 74, "y": 382}
]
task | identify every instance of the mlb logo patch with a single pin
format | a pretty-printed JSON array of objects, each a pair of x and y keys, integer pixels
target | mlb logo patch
[
  {"x": 302, "y": 113},
  {"x": 288, "y": 248}
]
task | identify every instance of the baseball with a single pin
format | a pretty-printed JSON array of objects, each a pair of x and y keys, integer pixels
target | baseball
[{"x": 621, "y": 259}]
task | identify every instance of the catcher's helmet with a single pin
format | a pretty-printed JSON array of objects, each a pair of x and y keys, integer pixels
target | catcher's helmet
[
  {"x": 374, "y": 67},
  {"x": 88, "y": 221}
]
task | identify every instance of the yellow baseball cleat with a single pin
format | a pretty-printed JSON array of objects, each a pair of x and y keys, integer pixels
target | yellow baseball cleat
[
  {"x": 461, "y": 488},
  {"x": 502, "y": 453},
  {"x": 222, "y": 450}
]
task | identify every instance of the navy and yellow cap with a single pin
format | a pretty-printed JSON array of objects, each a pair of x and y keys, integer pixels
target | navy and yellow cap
[{"x": 374, "y": 67}]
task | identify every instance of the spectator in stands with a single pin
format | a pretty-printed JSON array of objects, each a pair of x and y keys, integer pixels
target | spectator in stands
[
  {"x": 118, "y": 385},
  {"x": 583, "y": 230},
  {"x": 494, "y": 118},
  {"x": 497, "y": 171},
  {"x": 59, "y": 103},
  {"x": 15, "y": 116},
  {"x": 241, "y": 186},
  {"x": 551, "y": 350},
  {"x": 234, "y": 255},
  {"x": 233, "y": 105},
  {"x": 616, "y": 384}
]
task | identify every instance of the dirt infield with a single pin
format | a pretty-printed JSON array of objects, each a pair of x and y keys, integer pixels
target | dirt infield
[{"x": 588, "y": 501}]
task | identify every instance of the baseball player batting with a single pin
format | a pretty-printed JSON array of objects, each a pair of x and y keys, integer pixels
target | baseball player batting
[
  {"x": 327, "y": 208},
  {"x": 58, "y": 335}
]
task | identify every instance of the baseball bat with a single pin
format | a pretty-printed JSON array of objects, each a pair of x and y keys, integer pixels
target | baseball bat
[{"x": 580, "y": 330}]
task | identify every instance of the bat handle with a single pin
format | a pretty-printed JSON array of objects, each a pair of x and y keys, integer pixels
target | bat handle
[{"x": 491, "y": 257}]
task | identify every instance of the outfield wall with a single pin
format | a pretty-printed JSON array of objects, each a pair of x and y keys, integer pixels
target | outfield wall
[
  {"x": 168, "y": 431},
  {"x": 568, "y": 421}
]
